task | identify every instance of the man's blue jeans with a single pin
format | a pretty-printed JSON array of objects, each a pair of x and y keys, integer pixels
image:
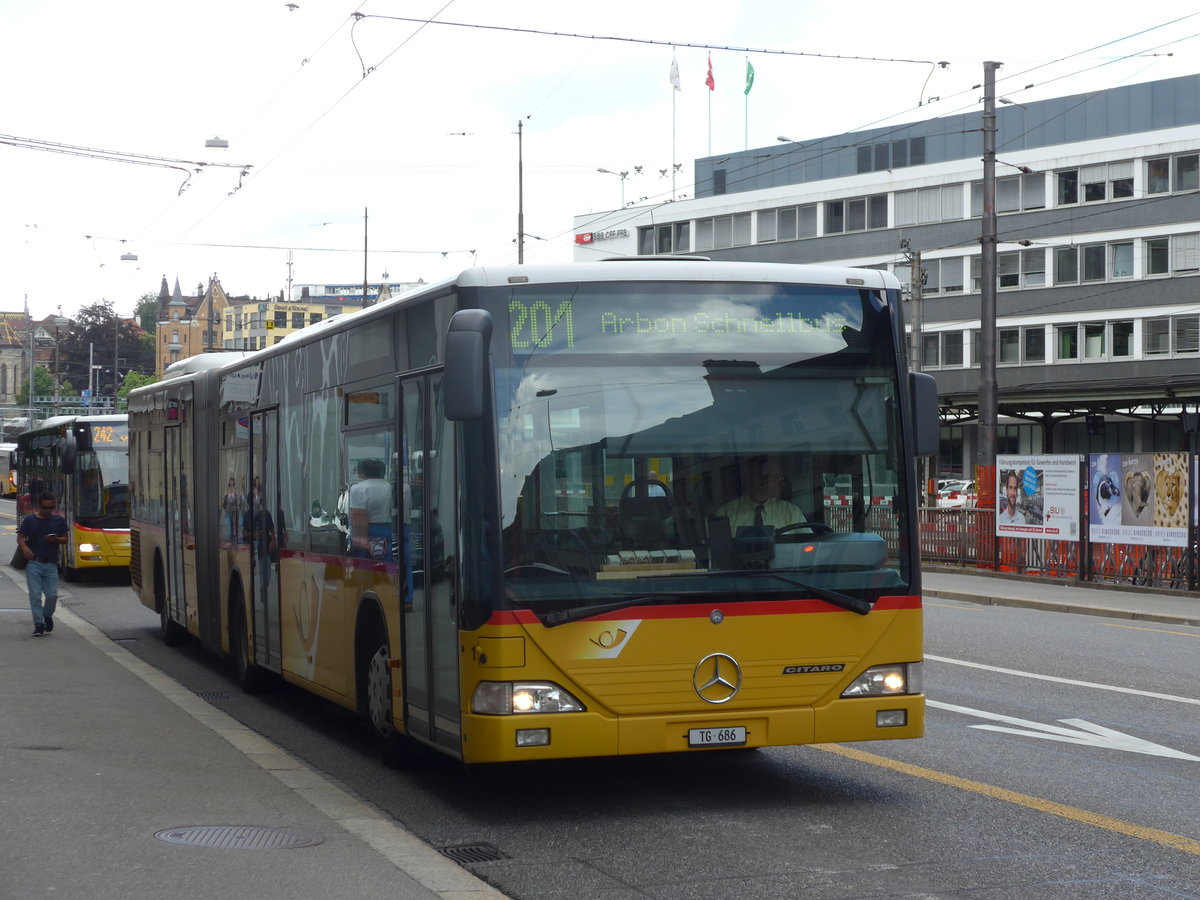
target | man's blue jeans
[{"x": 42, "y": 578}]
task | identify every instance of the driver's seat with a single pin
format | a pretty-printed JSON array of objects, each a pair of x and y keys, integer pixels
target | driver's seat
[{"x": 647, "y": 514}]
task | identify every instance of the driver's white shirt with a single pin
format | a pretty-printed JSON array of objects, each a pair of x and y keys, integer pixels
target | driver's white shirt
[{"x": 776, "y": 513}]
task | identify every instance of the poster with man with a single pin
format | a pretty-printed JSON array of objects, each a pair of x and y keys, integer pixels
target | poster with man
[{"x": 1037, "y": 497}]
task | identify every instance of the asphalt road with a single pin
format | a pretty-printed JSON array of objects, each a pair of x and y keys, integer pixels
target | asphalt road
[{"x": 1062, "y": 759}]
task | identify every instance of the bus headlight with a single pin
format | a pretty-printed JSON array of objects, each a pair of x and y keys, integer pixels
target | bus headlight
[
  {"x": 89, "y": 548},
  {"x": 883, "y": 681},
  {"x": 509, "y": 698}
]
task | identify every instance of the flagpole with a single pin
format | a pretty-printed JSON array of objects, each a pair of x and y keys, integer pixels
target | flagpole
[{"x": 675, "y": 88}]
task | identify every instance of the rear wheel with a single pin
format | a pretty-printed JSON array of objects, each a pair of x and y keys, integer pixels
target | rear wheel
[
  {"x": 173, "y": 634},
  {"x": 249, "y": 676}
]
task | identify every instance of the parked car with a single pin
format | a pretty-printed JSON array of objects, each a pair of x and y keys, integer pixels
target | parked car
[{"x": 956, "y": 495}]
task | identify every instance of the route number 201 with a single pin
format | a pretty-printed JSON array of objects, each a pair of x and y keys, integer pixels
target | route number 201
[{"x": 538, "y": 325}]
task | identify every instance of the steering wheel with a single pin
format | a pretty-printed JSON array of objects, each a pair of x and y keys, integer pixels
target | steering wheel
[{"x": 815, "y": 527}]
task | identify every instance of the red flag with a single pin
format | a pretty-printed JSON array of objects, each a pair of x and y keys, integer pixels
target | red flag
[{"x": 712, "y": 84}]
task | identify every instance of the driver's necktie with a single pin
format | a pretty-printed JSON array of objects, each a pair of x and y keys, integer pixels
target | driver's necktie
[{"x": 758, "y": 514}]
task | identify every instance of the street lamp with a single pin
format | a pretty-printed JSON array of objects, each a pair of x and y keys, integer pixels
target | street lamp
[{"x": 622, "y": 176}]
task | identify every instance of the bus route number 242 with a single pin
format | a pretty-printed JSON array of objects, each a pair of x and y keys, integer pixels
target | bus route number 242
[{"x": 730, "y": 736}]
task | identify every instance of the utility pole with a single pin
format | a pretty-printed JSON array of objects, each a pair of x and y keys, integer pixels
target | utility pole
[
  {"x": 985, "y": 453},
  {"x": 365, "y": 301},
  {"x": 520, "y": 192},
  {"x": 916, "y": 295}
]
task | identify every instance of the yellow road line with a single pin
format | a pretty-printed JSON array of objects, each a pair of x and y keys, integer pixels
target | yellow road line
[
  {"x": 1108, "y": 823},
  {"x": 1155, "y": 630}
]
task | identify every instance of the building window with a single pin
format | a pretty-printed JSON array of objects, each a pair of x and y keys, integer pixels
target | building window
[
  {"x": 891, "y": 155},
  {"x": 1034, "y": 343},
  {"x": 1185, "y": 337},
  {"x": 1122, "y": 339},
  {"x": 1121, "y": 260},
  {"x": 1158, "y": 256},
  {"x": 1066, "y": 265},
  {"x": 1185, "y": 253},
  {"x": 927, "y": 205},
  {"x": 1095, "y": 184},
  {"x": 1067, "y": 337},
  {"x": 1177, "y": 173},
  {"x": 1175, "y": 334},
  {"x": 1156, "y": 337},
  {"x": 1013, "y": 193},
  {"x": 856, "y": 214},
  {"x": 1009, "y": 350},
  {"x": 314, "y": 318},
  {"x": 1033, "y": 268},
  {"x": 297, "y": 320}
]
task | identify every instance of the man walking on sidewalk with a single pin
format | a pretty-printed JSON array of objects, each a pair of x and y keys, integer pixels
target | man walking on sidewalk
[{"x": 39, "y": 537}]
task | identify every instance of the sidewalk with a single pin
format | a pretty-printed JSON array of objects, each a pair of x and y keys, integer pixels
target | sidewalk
[
  {"x": 101, "y": 756},
  {"x": 1060, "y": 596}
]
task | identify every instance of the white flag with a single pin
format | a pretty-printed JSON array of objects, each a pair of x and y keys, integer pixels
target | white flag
[{"x": 675, "y": 71}]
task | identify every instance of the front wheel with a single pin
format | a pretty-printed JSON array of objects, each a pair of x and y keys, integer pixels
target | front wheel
[{"x": 395, "y": 748}]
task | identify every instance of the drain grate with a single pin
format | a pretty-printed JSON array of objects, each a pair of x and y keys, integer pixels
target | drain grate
[
  {"x": 214, "y": 695},
  {"x": 239, "y": 837},
  {"x": 124, "y": 640},
  {"x": 473, "y": 853}
]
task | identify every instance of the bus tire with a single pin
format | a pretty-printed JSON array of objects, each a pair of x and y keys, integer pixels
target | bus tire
[
  {"x": 173, "y": 634},
  {"x": 375, "y": 676},
  {"x": 251, "y": 678},
  {"x": 69, "y": 573}
]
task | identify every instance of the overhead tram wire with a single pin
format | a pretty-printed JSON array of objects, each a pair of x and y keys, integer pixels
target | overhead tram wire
[
  {"x": 650, "y": 41},
  {"x": 336, "y": 103}
]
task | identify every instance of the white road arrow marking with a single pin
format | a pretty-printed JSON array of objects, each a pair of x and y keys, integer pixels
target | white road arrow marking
[{"x": 1082, "y": 732}]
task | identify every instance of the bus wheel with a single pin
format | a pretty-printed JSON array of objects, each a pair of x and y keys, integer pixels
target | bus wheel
[
  {"x": 69, "y": 573},
  {"x": 395, "y": 748},
  {"x": 249, "y": 676}
]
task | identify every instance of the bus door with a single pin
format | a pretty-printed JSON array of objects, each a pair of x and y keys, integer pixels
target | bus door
[
  {"x": 174, "y": 481},
  {"x": 265, "y": 533},
  {"x": 428, "y": 509}
]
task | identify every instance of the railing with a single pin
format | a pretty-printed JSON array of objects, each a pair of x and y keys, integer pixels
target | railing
[{"x": 966, "y": 537}]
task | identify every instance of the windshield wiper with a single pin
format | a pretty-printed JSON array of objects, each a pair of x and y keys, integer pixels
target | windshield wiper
[
  {"x": 563, "y": 616},
  {"x": 837, "y": 598}
]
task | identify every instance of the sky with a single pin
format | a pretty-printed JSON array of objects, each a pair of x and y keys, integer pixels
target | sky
[{"x": 408, "y": 127}]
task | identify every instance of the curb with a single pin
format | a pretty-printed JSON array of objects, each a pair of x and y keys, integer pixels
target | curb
[{"x": 1052, "y": 606}]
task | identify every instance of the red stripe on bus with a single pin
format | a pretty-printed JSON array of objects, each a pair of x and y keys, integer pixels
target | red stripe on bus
[{"x": 692, "y": 610}]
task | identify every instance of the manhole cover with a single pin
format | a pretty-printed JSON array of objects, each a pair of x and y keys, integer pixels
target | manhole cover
[
  {"x": 473, "y": 853},
  {"x": 239, "y": 837}
]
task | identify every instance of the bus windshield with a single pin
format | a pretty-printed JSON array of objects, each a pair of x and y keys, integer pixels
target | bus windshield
[
  {"x": 102, "y": 478},
  {"x": 661, "y": 441}
]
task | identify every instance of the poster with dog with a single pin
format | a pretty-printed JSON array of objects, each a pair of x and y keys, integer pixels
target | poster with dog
[{"x": 1139, "y": 498}]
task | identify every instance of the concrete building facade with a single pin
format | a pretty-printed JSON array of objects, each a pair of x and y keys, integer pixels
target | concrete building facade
[{"x": 1098, "y": 294}]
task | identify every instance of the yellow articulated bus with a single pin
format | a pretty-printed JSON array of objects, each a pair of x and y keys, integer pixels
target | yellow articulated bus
[
  {"x": 576, "y": 510},
  {"x": 84, "y": 462}
]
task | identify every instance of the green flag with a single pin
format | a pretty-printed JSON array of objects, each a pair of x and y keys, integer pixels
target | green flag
[{"x": 749, "y": 77}]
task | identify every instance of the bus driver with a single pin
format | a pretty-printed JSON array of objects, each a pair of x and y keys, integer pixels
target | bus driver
[{"x": 761, "y": 503}]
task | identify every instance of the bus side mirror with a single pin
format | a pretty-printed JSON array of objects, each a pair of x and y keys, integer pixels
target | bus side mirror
[
  {"x": 70, "y": 453},
  {"x": 922, "y": 391},
  {"x": 464, "y": 385}
]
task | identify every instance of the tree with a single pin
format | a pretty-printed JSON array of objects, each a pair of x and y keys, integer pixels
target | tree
[
  {"x": 101, "y": 339},
  {"x": 146, "y": 312},
  {"x": 133, "y": 380},
  {"x": 43, "y": 386}
]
